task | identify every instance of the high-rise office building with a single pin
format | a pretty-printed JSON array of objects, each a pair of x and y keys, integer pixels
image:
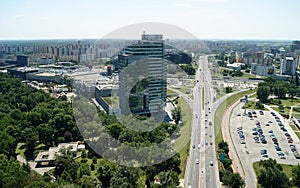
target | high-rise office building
[
  {"x": 22, "y": 60},
  {"x": 288, "y": 66},
  {"x": 295, "y": 46},
  {"x": 142, "y": 78}
]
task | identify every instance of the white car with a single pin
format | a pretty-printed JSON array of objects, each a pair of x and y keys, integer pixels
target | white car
[
  {"x": 197, "y": 161},
  {"x": 199, "y": 146}
]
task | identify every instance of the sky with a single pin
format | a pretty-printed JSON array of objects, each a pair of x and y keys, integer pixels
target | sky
[{"x": 206, "y": 19}]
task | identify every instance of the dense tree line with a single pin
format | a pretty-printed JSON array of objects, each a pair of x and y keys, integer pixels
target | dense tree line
[
  {"x": 189, "y": 69},
  {"x": 280, "y": 88},
  {"x": 33, "y": 117},
  {"x": 271, "y": 175},
  {"x": 227, "y": 176}
]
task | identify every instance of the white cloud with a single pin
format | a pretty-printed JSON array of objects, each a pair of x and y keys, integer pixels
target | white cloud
[
  {"x": 208, "y": 1},
  {"x": 19, "y": 16}
]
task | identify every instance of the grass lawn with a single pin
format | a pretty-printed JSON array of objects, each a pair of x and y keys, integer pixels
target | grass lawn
[
  {"x": 220, "y": 93},
  {"x": 185, "y": 134},
  {"x": 298, "y": 134},
  {"x": 253, "y": 96},
  {"x": 294, "y": 127},
  {"x": 247, "y": 75},
  {"x": 20, "y": 149},
  {"x": 252, "y": 105},
  {"x": 296, "y": 114},
  {"x": 290, "y": 102},
  {"x": 185, "y": 89},
  {"x": 169, "y": 92},
  {"x": 285, "y": 111}
]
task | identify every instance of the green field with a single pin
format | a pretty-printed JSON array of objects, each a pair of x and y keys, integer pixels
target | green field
[
  {"x": 286, "y": 109},
  {"x": 185, "y": 134},
  {"x": 185, "y": 89}
]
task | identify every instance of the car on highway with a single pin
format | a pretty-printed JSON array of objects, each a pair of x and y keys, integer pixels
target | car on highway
[
  {"x": 199, "y": 146},
  {"x": 211, "y": 163},
  {"x": 197, "y": 161},
  {"x": 194, "y": 146}
]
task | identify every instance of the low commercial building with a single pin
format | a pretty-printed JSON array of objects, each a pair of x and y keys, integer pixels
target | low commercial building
[
  {"x": 47, "y": 158},
  {"x": 262, "y": 70},
  {"x": 21, "y": 72},
  {"x": 235, "y": 66}
]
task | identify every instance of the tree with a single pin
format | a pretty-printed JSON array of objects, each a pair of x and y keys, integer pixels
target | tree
[
  {"x": 292, "y": 92},
  {"x": 228, "y": 89},
  {"x": 105, "y": 172},
  {"x": 84, "y": 169},
  {"x": 223, "y": 146},
  {"x": 296, "y": 176},
  {"x": 89, "y": 182},
  {"x": 233, "y": 180},
  {"x": 281, "y": 108},
  {"x": 263, "y": 93},
  {"x": 176, "y": 114},
  {"x": 280, "y": 89},
  {"x": 45, "y": 133},
  {"x": 259, "y": 105},
  {"x": 7, "y": 144},
  {"x": 65, "y": 164},
  {"x": 168, "y": 179},
  {"x": 31, "y": 139},
  {"x": 271, "y": 175}
]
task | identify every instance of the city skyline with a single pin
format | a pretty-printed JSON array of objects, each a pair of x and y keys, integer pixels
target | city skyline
[{"x": 221, "y": 19}]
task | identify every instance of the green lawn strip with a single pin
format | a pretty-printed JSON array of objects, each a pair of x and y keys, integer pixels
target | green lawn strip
[
  {"x": 185, "y": 89},
  {"x": 298, "y": 134},
  {"x": 247, "y": 75},
  {"x": 185, "y": 134},
  {"x": 294, "y": 127},
  {"x": 170, "y": 92},
  {"x": 219, "y": 116}
]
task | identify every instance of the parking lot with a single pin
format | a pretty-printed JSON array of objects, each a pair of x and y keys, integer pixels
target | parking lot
[{"x": 262, "y": 135}]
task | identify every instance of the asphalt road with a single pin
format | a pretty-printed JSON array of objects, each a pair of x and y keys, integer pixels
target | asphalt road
[{"x": 204, "y": 173}]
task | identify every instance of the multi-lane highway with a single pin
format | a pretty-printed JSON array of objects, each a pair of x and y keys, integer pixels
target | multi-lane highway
[{"x": 201, "y": 170}]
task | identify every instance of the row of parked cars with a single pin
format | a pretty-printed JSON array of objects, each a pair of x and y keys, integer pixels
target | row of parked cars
[
  {"x": 241, "y": 135},
  {"x": 258, "y": 134},
  {"x": 288, "y": 137}
]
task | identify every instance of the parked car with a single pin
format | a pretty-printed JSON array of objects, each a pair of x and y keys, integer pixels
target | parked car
[{"x": 264, "y": 153}]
